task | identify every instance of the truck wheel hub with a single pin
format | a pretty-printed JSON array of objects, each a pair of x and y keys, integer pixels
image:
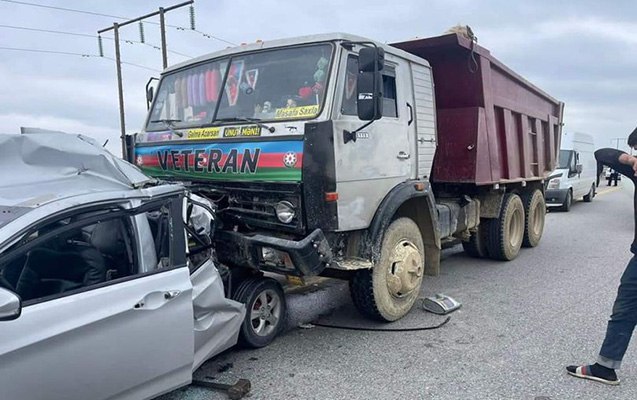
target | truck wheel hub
[{"x": 405, "y": 270}]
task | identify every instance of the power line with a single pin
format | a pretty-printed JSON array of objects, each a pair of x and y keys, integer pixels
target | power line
[
  {"x": 63, "y": 9},
  {"x": 176, "y": 27},
  {"x": 67, "y": 53},
  {"x": 154, "y": 46}
]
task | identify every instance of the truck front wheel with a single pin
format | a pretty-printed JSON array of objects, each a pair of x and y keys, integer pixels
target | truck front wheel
[
  {"x": 506, "y": 232},
  {"x": 388, "y": 291},
  {"x": 535, "y": 213}
]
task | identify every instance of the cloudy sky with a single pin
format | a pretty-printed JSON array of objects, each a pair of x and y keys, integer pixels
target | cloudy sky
[{"x": 581, "y": 52}]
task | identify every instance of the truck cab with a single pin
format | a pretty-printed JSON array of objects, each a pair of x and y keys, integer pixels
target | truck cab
[{"x": 323, "y": 155}]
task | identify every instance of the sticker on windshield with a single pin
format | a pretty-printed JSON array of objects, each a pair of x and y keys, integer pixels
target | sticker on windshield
[
  {"x": 203, "y": 133},
  {"x": 233, "y": 82},
  {"x": 297, "y": 112},
  {"x": 245, "y": 131}
]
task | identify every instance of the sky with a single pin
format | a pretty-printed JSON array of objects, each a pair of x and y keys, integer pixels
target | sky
[{"x": 582, "y": 52}]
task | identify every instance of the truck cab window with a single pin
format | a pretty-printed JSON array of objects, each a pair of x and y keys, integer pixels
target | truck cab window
[{"x": 348, "y": 104}]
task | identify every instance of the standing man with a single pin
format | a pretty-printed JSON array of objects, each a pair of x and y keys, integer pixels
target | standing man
[
  {"x": 614, "y": 176},
  {"x": 624, "y": 317}
]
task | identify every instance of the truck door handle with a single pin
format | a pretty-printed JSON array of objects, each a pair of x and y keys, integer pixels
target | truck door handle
[
  {"x": 403, "y": 156},
  {"x": 411, "y": 114}
]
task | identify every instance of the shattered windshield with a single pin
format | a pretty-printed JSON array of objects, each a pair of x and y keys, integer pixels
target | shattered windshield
[{"x": 269, "y": 85}]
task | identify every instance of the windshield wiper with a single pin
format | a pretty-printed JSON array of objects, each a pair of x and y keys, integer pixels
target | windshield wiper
[
  {"x": 169, "y": 124},
  {"x": 256, "y": 121}
]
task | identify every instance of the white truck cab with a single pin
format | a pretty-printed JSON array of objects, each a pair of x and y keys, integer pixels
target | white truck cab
[{"x": 574, "y": 177}]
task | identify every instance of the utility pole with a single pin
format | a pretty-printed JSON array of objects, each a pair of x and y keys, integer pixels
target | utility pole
[{"x": 115, "y": 28}]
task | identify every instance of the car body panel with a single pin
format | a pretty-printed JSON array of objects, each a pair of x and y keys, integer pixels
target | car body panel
[
  {"x": 97, "y": 345},
  {"x": 217, "y": 320}
]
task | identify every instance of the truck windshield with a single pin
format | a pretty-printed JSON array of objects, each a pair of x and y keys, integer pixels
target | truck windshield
[
  {"x": 564, "y": 159},
  {"x": 268, "y": 85}
]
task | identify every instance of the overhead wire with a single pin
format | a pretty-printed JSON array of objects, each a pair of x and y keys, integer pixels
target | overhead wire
[
  {"x": 84, "y": 55},
  {"x": 129, "y": 41},
  {"x": 177, "y": 27}
]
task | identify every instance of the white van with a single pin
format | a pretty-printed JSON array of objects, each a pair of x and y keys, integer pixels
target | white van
[{"x": 574, "y": 176}]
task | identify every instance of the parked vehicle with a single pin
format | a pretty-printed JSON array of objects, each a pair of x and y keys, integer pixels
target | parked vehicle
[
  {"x": 575, "y": 176},
  {"x": 106, "y": 290},
  {"x": 611, "y": 175},
  {"x": 330, "y": 155}
]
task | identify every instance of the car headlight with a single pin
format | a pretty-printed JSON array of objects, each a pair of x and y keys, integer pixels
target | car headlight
[
  {"x": 554, "y": 183},
  {"x": 285, "y": 211}
]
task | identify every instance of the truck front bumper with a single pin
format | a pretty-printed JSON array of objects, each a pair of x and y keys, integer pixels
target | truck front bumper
[
  {"x": 555, "y": 197},
  {"x": 305, "y": 257}
]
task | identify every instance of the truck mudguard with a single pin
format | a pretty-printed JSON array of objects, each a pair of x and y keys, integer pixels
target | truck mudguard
[{"x": 404, "y": 199}]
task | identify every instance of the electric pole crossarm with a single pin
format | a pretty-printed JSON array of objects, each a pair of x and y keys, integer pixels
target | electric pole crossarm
[
  {"x": 120, "y": 90},
  {"x": 131, "y": 21}
]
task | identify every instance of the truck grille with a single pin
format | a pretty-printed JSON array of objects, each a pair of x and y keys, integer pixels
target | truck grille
[{"x": 256, "y": 206}]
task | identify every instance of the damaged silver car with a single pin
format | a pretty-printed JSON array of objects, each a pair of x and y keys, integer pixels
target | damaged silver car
[{"x": 108, "y": 286}]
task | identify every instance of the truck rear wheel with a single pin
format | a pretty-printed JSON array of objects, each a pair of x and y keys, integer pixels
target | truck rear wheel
[
  {"x": 476, "y": 246},
  {"x": 506, "y": 232},
  {"x": 388, "y": 291},
  {"x": 265, "y": 311},
  {"x": 535, "y": 213}
]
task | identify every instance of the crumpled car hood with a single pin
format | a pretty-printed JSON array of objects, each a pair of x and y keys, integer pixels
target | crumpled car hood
[{"x": 33, "y": 158}]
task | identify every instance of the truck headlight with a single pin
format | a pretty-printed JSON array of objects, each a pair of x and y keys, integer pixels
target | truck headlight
[
  {"x": 285, "y": 211},
  {"x": 554, "y": 183}
]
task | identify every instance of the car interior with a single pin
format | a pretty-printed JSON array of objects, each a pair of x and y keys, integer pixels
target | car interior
[{"x": 88, "y": 255}]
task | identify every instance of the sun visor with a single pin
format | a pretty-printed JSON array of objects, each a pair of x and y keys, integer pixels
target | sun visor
[{"x": 46, "y": 156}]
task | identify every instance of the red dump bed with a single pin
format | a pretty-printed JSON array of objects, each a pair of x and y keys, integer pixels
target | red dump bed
[{"x": 493, "y": 125}]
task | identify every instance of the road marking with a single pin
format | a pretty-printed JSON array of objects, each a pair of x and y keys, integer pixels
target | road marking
[{"x": 609, "y": 190}]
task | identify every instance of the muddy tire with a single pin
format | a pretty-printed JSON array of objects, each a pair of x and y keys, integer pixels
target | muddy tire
[
  {"x": 476, "y": 246},
  {"x": 506, "y": 232},
  {"x": 388, "y": 290},
  {"x": 266, "y": 311},
  {"x": 591, "y": 194},
  {"x": 534, "y": 217}
]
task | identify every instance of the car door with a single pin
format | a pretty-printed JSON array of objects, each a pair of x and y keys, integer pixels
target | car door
[{"x": 129, "y": 337}]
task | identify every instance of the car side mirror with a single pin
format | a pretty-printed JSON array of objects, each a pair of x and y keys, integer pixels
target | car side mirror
[
  {"x": 579, "y": 168},
  {"x": 10, "y": 305}
]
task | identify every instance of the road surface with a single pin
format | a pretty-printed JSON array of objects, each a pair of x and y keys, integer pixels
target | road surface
[{"x": 520, "y": 324}]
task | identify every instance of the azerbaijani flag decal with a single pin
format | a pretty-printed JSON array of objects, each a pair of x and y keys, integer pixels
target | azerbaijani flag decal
[{"x": 265, "y": 161}]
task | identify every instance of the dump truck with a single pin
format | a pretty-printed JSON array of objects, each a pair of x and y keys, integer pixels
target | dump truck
[{"x": 340, "y": 156}]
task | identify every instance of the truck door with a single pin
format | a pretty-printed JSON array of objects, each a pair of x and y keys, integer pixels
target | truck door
[{"x": 382, "y": 156}]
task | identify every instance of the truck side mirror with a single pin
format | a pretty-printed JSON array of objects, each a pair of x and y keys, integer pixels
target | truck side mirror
[
  {"x": 579, "y": 168},
  {"x": 150, "y": 93},
  {"x": 369, "y": 96},
  {"x": 10, "y": 305},
  {"x": 371, "y": 59}
]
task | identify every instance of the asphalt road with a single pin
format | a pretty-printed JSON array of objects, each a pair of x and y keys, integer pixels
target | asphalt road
[{"x": 520, "y": 324}]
